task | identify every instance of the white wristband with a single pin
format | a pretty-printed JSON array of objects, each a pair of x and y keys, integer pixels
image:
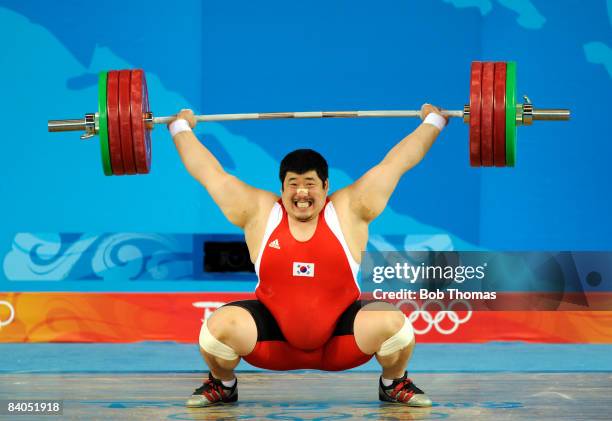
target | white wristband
[
  {"x": 435, "y": 120},
  {"x": 177, "y": 126}
]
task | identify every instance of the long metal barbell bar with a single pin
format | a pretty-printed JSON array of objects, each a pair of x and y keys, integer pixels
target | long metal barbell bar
[
  {"x": 87, "y": 124},
  {"x": 124, "y": 119}
]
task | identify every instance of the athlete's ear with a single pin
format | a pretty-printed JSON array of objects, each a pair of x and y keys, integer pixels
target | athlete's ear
[{"x": 326, "y": 185}]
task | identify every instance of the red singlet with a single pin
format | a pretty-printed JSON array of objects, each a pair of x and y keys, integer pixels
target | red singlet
[{"x": 306, "y": 285}]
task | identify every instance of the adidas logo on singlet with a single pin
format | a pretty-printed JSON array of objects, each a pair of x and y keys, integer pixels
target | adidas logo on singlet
[{"x": 274, "y": 244}]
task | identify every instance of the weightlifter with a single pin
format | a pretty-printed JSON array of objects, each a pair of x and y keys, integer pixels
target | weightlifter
[{"x": 306, "y": 247}]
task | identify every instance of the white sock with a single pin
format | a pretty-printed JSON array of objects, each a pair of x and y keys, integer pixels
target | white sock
[
  {"x": 229, "y": 383},
  {"x": 386, "y": 382}
]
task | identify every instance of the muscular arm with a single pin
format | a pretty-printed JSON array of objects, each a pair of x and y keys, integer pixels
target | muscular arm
[
  {"x": 238, "y": 201},
  {"x": 368, "y": 196}
]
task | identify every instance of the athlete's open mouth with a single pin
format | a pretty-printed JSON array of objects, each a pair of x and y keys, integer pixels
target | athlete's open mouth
[{"x": 303, "y": 204}]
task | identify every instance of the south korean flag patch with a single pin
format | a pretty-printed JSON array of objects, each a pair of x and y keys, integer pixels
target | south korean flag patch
[{"x": 303, "y": 269}]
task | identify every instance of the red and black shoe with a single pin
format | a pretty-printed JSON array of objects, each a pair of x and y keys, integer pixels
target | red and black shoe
[
  {"x": 212, "y": 392},
  {"x": 403, "y": 391}
]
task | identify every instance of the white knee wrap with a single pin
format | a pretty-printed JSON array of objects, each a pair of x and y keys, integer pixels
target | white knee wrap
[
  {"x": 398, "y": 341},
  {"x": 212, "y": 345}
]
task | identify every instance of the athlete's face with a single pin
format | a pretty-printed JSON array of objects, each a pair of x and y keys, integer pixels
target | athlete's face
[{"x": 304, "y": 195}]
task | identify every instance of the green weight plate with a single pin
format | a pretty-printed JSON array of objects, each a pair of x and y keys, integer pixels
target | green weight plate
[
  {"x": 511, "y": 113},
  {"x": 103, "y": 125}
]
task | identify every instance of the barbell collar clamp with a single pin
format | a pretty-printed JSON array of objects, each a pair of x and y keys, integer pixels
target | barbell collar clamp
[
  {"x": 466, "y": 114},
  {"x": 91, "y": 126},
  {"x": 527, "y": 114}
]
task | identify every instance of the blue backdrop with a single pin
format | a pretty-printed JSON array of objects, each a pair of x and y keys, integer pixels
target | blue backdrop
[{"x": 242, "y": 56}]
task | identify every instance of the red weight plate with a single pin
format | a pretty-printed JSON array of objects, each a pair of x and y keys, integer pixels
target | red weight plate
[
  {"x": 125, "y": 122},
  {"x": 486, "y": 125},
  {"x": 146, "y": 109},
  {"x": 142, "y": 151},
  {"x": 499, "y": 116},
  {"x": 475, "y": 107},
  {"x": 112, "y": 110}
]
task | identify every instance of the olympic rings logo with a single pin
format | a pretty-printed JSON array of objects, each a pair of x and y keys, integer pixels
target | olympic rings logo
[
  {"x": 11, "y": 314},
  {"x": 435, "y": 321}
]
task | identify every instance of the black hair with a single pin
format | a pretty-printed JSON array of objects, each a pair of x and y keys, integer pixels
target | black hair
[{"x": 301, "y": 161}]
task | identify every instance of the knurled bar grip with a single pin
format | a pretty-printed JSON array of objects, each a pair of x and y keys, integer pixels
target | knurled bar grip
[{"x": 306, "y": 114}]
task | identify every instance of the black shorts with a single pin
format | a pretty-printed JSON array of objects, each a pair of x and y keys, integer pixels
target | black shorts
[{"x": 268, "y": 329}]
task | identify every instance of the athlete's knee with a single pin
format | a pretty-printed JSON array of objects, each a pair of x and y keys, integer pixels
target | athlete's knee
[
  {"x": 226, "y": 322},
  {"x": 381, "y": 319},
  {"x": 212, "y": 345},
  {"x": 375, "y": 323},
  {"x": 229, "y": 333},
  {"x": 394, "y": 321},
  {"x": 401, "y": 339}
]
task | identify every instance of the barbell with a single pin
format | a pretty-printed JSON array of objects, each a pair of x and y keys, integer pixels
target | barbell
[{"x": 124, "y": 120}]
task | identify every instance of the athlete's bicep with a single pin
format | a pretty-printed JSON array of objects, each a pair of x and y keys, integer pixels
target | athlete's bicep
[
  {"x": 369, "y": 195},
  {"x": 238, "y": 200}
]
